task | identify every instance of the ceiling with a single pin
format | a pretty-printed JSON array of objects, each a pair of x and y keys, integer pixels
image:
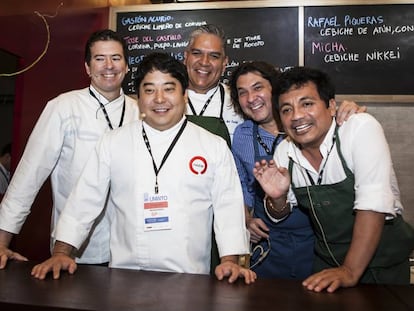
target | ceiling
[
  {"x": 13, "y": 7},
  {"x": 21, "y": 7}
]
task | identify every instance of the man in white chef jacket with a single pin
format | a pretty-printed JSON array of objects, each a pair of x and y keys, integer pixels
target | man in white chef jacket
[{"x": 168, "y": 178}]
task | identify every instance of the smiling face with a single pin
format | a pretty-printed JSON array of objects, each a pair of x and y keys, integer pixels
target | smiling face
[
  {"x": 255, "y": 97},
  {"x": 107, "y": 68},
  {"x": 205, "y": 60},
  {"x": 304, "y": 115},
  {"x": 161, "y": 99}
]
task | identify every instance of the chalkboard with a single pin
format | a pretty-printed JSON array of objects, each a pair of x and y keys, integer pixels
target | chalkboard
[
  {"x": 266, "y": 33},
  {"x": 367, "y": 49}
]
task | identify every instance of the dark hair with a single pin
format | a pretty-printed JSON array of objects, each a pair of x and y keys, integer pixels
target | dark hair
[
  {"x": 208, "y": 29},
  {"x": 6, "y": 149},
  {"x": 162, "y": 62},
  {"x": 103, "y": 35},
  {"x": 266, "y": 70},
  {"x": 298, "y": 76}
]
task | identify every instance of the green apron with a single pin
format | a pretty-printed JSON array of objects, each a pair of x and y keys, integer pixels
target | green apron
[
  {"x": 333, "y": 205},
  {"x": 213, "y": 125}
]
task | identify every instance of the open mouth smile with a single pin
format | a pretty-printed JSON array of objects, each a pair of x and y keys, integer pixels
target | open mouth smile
[{"x": 302, "y": 128}]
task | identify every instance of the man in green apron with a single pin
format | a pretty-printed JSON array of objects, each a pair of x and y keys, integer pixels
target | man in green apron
[
  {"x": 208, "y": 98},
  {"x": 344, "y": 178}
]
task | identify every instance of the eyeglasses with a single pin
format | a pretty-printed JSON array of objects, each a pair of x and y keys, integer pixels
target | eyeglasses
[{"x": 259, "y": 253}]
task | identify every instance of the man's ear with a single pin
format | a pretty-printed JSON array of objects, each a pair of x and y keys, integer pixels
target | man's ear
[
  {"x": 225, "y": 62},
  {"x": 88, "y": 70},
  {"x": 332, "y": 107}
]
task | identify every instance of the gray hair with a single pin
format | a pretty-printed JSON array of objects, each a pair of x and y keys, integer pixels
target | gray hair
[{"x": 208, "y": 29}]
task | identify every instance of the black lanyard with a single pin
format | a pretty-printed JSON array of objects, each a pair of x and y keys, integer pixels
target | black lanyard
[
  {"x": 276, "y": 141},
  {"x": 323, "y": 168},
  {"x": 208, "y": 102},
  {"x": 106, "y": 113},
  {"x": 269, "y": 152},
  {"x": 157, "y": 170}
]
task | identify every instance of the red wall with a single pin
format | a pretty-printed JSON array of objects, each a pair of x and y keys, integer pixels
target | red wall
[{"x": 61, "y": 69}]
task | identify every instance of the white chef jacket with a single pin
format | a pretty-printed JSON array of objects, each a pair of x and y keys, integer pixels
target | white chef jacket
[
  {"x": 230, "y": 117},
  {"x": 59, "y": 145},
  {"x": 199, "y": 178},
  {"x": 366, "y": 153}
]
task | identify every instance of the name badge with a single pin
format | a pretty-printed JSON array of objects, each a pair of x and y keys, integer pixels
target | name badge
[{"x": 157, "y": 214}]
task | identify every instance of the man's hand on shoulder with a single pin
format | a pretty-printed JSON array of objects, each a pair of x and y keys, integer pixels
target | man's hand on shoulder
[{"x": 347, "y": 109}]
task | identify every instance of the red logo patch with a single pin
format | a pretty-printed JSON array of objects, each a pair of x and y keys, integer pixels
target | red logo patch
[{"x": 198, "y": 165}]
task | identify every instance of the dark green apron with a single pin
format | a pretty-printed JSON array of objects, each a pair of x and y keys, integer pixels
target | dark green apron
[
  {"x": 333, "y": 205},
  {"x": 215, "y": 125}
]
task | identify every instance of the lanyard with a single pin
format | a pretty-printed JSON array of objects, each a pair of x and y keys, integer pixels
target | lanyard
[
  {"x": 208, "y": 102},
  {"x": 323, "y": 168},
  {"x": 276, "y": 141},
  {"x": 268, "y": 151},
  {"x": 106, "y": 113},
  {"x": 157, "y": 170}
]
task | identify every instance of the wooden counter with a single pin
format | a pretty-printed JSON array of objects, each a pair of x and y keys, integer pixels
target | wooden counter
[{"x": 101, "y": 288}]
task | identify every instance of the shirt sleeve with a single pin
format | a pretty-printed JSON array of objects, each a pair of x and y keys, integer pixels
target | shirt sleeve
[
  {"x": 37, "y": 162},
  {"x": 367, "y": 153},
  {"x": 87, "y": 199}
]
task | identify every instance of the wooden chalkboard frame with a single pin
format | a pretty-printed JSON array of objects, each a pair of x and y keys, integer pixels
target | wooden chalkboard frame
[{"x": 115, "y": 11}]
